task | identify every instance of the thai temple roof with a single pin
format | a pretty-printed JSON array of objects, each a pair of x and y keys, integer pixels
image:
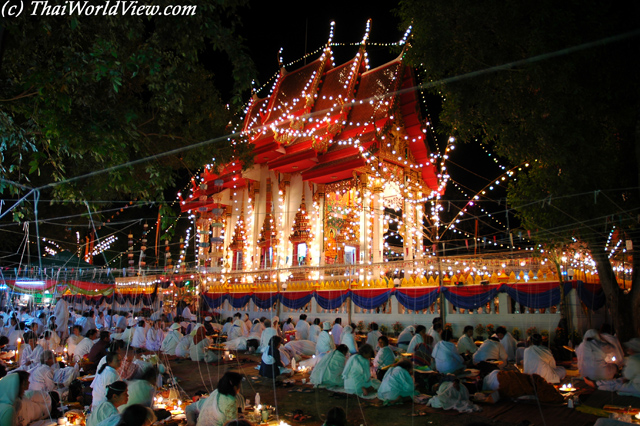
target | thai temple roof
[{"x": 324, "y": 121}]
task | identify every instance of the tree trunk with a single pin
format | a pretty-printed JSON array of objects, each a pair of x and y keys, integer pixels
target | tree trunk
[{"x": 624, "y": 308}]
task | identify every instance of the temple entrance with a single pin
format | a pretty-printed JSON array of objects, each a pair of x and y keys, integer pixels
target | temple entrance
[
  {"x": 393, "y": 240},
  {"x": 349, "y": 255},
  {"x": 266, "y": 258},
  {"x": 301, "y": 254}
]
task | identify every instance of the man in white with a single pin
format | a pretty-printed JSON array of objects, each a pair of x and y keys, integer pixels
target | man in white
[
  {"x": 41, "y": 378},
  {"x": 314, "y": 330},
  {"x": 539, "y": 360},
  {"x": 325, "y": 343},
  {"x": 418, "y": 339},
  {"x": 62, "y": 317},
  {"x": 73, "y": 340},
  {"x": 139, "y": 336},
  {"x": 446, "y": 356},
  {"x": 508, "y": 342},
  {"x": 328, "y": 370},
  {"x": 466, "y": 346},
  {"x": 336, "y": 331},
  {"x": 171, "y": 339},
  {"x": 397, "y": 383},
  {"x": 384, "y": 357},
  {"x": 302, "y": 328},
  {"x": 266, "y": 336},
  {"x": 491, "y": 350},
  {"x": 436, "y": 330},
  {"x": 84, "y": 347},
  {"x": 629, "y": 383}
]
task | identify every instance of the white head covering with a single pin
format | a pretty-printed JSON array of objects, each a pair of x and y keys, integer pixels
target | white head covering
[
  {"x": 275, "y": 319},
  {"x": 591, "y": 334},
  {"x": 326, "y": 325},
  {"x": 633, "y": 344},
  {"x": 175, "y": 326},
  {"x": 347, "y": 330},
  {"x": 208, "y": 318}
]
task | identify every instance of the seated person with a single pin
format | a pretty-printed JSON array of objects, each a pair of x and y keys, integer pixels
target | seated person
[
  {"x": 301, "y": 348},
  {"x": 466, "y": 345},
  {"x": 224, "y": 403},
  {"x": 84, "y": 346},
  {"x": 328, "y": 370},
  {"x": 357, "y": 374},
  {"x": 490, "y": 350},
  {"x": 325, "y": 343},
  {"x": 100, "y": 348},
  {"x": 271, "y": 365},
  {"x": 420, "y": 347},
  {"x": 453, "y": 395},
  {"x": 595, "y": 357},
  {"x": 183, "y": 346},
  {"x": 155, "y": 337},
  {"x": 445, "y": 355},
  {"x": 384, "y": 357},
  {"x": 171, "y": 340},
  {"x": 41, "y": 378},
  {"x": 142, "y": 391},
  {"x": 629, "y": 383},
  {"x": 336, "y": 416},
  {"x": 347, "y": 338},
  {"x": 198, "y": 351},
  {"x": 139, "y": 338},
  {"x": 508, "y": 342},
  {"x": 372, "y": 336},
  {"x": 397, "y": 384},
  {"x": 117, "y": 396},
  {"x": 405, "y": 337},
  {"x": 539, "y": 360},
  {"x": 30, "y": 353}
]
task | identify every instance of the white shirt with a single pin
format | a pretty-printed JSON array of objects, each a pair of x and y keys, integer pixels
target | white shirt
[
  {"x": 302, "y": 330},
  {"x": 324, "y": 344},
  {"x": 100, "y": 383},
  {"x": 139, "y": 338},
  {"x": 446, "y": 356},
  {"x": 417, "y": 340},
  {"x": 83, "y": 348},
  {"x": 490, "y": 350},
  {"x": 466, "y": 343},
  {"x": 41, "y": 379},
  {"x": 384, "y": 357}
]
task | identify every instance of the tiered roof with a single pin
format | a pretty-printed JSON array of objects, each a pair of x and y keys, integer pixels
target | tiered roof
[{"x": 321, "y": 121}]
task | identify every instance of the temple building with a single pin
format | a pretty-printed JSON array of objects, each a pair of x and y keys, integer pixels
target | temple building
[{"x": 340, "y": 161}]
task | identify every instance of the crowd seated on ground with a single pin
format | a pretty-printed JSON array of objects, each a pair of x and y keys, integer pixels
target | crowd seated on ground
[{"x": 368, "y": 366}]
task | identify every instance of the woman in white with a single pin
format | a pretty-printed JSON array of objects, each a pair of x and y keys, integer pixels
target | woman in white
[
  {"x": 446, "y": 356},
  {"x": 539, "y": 360},
  {"x": 629, "y": 383},
  {"x": 325, "y": 342},
  {"x": 314, "y": 330},
  {"x": 222, "y": 405},
  {"x": 117, "y": 395},
  {"x": 143, "y": 390},
  {"x": 41, "y": 378},
  {"x": 405, "y": 337},
  {"x": 348, "y": 339},
  {"x": 107, "y": 374},
  {"x": 266, "y": 336},
  {"x": 183, "y": 346},
  {"x": 357, "y": 374},
  {"x": 139, "y": 336},
  {"x": 328, "y": 370},
  {"x": 155, "y": 337},
  {"x": 397, "y": 383},
  {"x": 171, "y": 339},
  {"x": 372, "y": 336},
  {"x": 198, "y": 350},
  {"x": 594, "y": 357}
]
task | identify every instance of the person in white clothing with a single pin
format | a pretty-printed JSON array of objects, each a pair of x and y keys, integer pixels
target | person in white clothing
[
  {"x": 84, "y": 347},
  {"x": 436, "y": 330},
  {"x": 539, "y": 360},
  {"x": 405, "y": 337},
  {"x": 445, "y": 355},
  {"x": 372, "y": 336},
  {"x": 314, "y": 330},
  {"x": 629, "y": 383},
  {"x": 325, "y": 343},
  {"x": 508, "y": 342},
  {"x": 223, "y": 404},
  {"x": 73, "y": 340},
  {"x": 41, "y": 378},
  {"x": 606, "y": 334},
  {"x": 266, "y": 336},
  {"x": 30, "y": 352},
  {"x": 62, "y": 317},
  {"x": 328, "y": 370},
  {"x": 302, "y": 328},
  {"x": 155, "y": 337},
  {"x": 596, "y": 357},
  {"x": 466, "y": 345},
  {"x": 336, "y": 331},
  {"x": 106, "y": 375},
  {"x": 397, "y": 383},
  {"x": 384, "y": 357},
  {"x": 357, "y": 374},
  {"x": 171, "y": 339},
  {"x": 491, "y": 350},
  {"x": 348, "y": 339},
  {"x": 139, "y": 336},
  {"x": 117, "y": 395}
]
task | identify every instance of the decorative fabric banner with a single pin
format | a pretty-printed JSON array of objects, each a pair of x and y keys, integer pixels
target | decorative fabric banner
[
  {"x": 90, "y": 289},
  {"x": 331, "y": 299},
  {"x": 470, "y": 297},
  {"x": 370, "y": 298},
  {"x": 239, "y": 300},
  {"x": 417, "y": 298},
  {"x": 295, "y": 299},
  {"x": 591, "y": 295},
  {"x": 214, "y": 300},
  {"x": 534, "y": 295},
  {"x": 30, "y": 286},
  {"x": 265, "y": 300}
]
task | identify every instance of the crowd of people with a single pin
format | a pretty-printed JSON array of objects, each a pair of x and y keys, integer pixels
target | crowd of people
[{"x": 106, "y": 344}]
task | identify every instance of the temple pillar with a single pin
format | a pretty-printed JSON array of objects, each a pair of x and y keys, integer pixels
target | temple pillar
[
  {"x": 319, "y": 234},
  {"x": 377, "y": 215}
]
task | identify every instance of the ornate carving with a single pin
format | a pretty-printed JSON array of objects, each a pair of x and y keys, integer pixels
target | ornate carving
[{"x": 320, "y": 143}]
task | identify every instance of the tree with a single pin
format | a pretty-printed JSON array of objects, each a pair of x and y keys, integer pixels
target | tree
[
  {"x": 81, "y": 94},
  {"x": 574, "y": 115}
]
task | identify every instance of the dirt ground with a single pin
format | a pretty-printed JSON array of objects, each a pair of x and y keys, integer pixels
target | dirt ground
[{"x": 316, "y": 402}]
